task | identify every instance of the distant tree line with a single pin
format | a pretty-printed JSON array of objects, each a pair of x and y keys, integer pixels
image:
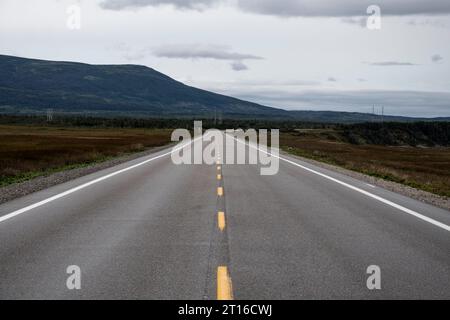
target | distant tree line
[
  {"x": 395, "y": 133},
  {"x": 387, "y": 133},
  {"x": 163, "y": 123}
]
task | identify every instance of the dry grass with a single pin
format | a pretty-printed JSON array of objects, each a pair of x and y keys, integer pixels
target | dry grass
[
  {"x": 423, "y": 168},
  {"x": 27, "y": 152}
]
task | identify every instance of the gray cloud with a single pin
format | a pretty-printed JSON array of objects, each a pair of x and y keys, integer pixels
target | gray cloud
[
  {"x": 343, "y": 8},
  {"x": 332, "y": 79},
  {"x": 436, "y": 58},
  {"x": 390, "y": 63},
  {"x": 197, "y": 51},
  {"x": 238, "y": 66},
  {"x": 430, "y": 22},
  {"x": 359, "y": 21},
  {"x": 180, "y": 4},
  {"x": 289, "y": 8}
]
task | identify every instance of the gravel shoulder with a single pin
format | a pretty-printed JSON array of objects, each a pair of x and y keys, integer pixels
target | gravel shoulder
[
  {"x": 423, "y": 196},
  {"x": 21, "y": 189}
]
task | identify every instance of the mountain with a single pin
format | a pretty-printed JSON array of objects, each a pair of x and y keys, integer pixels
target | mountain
[{"x": 29, "y": 86}]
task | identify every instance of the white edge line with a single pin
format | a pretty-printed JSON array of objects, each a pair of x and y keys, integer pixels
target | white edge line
[
  {"x": 371, "y": 195},
  {"x": 70, "y": 191}
]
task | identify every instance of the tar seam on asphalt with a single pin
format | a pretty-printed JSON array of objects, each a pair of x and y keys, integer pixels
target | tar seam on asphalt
[{"x": 219, "y": 255}]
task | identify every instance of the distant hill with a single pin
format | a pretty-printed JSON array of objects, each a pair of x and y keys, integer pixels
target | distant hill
[
  {"x": 353, "y": 117},
  {"x": 35, "y": 85},
  {"x": 30, "y": 86}
]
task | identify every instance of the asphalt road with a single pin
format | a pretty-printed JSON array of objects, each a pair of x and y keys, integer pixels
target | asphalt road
[{"x": 156, "y": 230}]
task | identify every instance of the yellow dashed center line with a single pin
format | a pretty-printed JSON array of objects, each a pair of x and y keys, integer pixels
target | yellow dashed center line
[
  {"x": 221, "y": 220},
  {"x": 224, "y": 286}
]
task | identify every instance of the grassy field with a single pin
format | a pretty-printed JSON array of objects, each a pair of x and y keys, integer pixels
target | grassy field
[
  {"x": 31, "y": 151},
  {"x": 419, "y": 167}
]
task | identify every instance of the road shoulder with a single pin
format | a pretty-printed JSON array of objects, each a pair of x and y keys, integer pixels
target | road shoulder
[
  {"x": 420, "y": 195},
  {"x": 21, "y": 189}
]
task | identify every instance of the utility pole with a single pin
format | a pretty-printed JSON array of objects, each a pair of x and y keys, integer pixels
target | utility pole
[{"x": 49, "y": 115}]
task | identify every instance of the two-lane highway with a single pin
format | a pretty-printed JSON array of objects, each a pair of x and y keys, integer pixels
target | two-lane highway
[{"x": 155, "y": 230}]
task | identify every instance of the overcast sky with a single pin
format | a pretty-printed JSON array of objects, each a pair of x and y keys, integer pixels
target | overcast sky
[{"x": 292, "y": 54}]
